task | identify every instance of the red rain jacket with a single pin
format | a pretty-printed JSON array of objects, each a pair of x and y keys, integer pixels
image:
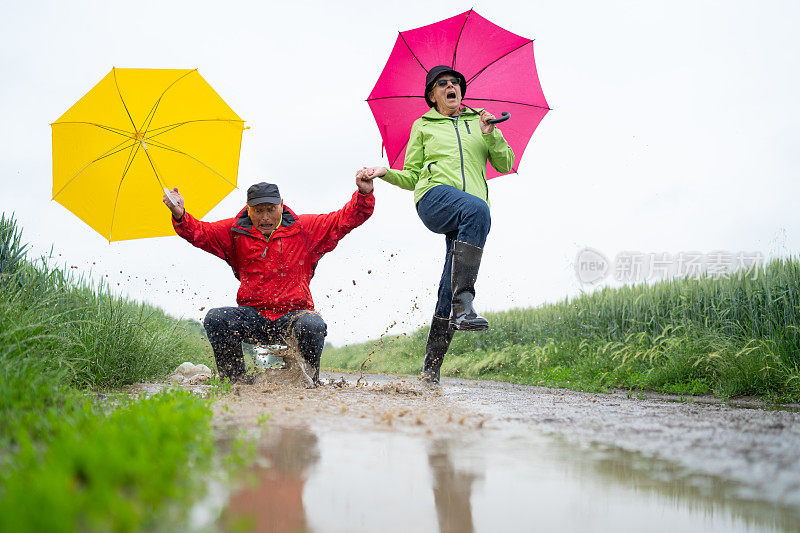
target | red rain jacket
[{"x": 275, "y": 275}]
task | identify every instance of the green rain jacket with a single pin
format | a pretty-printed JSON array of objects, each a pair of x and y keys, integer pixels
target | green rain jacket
[{"x": 451, "y": 151}]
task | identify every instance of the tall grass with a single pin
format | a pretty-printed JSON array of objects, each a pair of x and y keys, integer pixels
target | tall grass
[
  {"x": 59, "y": 331},
  {"x": 68, "y": 461},
  {"x": 733, "y": 336}
]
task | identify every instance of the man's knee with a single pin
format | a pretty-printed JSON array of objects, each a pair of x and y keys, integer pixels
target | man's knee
[
  {"x": 214, "y": 319},
  {"x": 227, "y": 321},
  {"x": 311, "y": 325}
]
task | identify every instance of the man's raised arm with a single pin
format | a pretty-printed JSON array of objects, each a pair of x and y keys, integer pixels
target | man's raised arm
[
  {"x": 213, "y": 237},
  {"x": 327, "y": 230}
]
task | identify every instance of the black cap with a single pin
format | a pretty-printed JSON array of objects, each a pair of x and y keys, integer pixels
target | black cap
[
  {"x": 263, "y": 193},
  {"x": 437, "y": 71}
]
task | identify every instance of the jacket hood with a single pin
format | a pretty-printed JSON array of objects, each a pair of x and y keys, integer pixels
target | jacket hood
[{"x": 243, "y": 222}]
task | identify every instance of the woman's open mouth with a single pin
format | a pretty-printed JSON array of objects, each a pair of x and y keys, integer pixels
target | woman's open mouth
[{"x": 451, "y": 95}]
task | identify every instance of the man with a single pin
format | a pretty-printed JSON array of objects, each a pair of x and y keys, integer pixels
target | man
[{"x": 273, "y": 253}]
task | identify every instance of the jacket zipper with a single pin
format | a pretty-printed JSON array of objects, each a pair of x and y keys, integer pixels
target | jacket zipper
[
  {"x": 461, "y": 152},
  {"x": 268, "y": 238},
  {"x": 467, "y": 125},
  {"x": 280, "y": 254}
]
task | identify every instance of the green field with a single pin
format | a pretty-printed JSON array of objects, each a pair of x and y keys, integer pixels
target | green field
[
  {"x": 731, "y": 337},
  {"x": 76, "y": 454}
]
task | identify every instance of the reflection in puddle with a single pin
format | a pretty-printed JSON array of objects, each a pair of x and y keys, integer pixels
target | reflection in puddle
[
  {"x": 345, "y": 481},
  {"x": 452, "y": 489},
  {"x": 272, "y": 497}
]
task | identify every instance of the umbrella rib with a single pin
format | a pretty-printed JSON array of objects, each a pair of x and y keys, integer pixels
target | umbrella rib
[
  {"x": 412, "y": 53},
  {"x": 101, "y": 126},
  {"x": 163, "y": 146},
  {"x": 170, "y": 127},
  {"x": 109, "y": 153},
  {"x": 116, "y": 84},
  {"x": 151, "y": 115},
  {"x": 119, "y": 188},
  {"x": 398, "y": 153},
  {"x": 455, "y": 50},
  {"x": 476, "y": 99},
  {"x": 394, "y": 96},
  {"x": 129, "y": 162},
  {"x": 508, "y": 102},
  {"x": 498, "y": 59}
]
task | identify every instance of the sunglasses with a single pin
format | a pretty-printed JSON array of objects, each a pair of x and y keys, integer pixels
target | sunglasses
[{"x": 443, "y": 83}]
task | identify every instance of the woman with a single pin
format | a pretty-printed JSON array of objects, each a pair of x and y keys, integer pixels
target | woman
[{"x": 445, "y": 166}]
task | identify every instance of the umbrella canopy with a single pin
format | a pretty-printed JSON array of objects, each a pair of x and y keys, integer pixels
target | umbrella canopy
[
  {"x": 135, "y": 133},
  {"x": 500, "y": 72}
]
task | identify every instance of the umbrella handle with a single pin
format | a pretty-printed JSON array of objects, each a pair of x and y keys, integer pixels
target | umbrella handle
[
  {"x": 169, "y": 196},
  {"x": 506, "y": 116}
]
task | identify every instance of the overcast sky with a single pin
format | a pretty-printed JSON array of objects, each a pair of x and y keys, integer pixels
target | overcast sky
[{"x": 674, "y": 129}]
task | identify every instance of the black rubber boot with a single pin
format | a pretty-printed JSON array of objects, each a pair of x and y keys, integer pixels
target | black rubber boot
[
  {"x": 314, "y": 370},
  {"x": 438, "y": 342},
  {"x": 466, "y": 261}
]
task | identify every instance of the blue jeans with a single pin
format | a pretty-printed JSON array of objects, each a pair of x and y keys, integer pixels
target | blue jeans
[
  {"x": 460, "y": 216},
  {"x": 228, "y": 327}
]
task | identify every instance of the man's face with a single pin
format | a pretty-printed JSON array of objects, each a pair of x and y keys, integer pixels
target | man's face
[{"x": 266, "y": 217}]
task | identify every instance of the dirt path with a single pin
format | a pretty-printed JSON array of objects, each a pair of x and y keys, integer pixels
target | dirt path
[{"x": 382, "y": 403}]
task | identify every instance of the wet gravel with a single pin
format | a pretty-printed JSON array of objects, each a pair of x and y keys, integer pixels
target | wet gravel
[{"x": 758, "y": 448}]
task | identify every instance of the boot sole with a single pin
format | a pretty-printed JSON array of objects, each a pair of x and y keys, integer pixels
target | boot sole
[{"x": 463, "y": 327}]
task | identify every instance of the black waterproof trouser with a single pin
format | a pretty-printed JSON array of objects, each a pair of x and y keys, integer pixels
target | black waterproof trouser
[{"x": 228, "y": 327}]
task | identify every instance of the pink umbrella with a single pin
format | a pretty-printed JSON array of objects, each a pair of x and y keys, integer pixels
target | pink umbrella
[{"x": 499, "y": 68}]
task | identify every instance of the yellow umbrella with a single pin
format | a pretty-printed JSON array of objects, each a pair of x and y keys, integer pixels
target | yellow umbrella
[{"x": 135, "y": 133}]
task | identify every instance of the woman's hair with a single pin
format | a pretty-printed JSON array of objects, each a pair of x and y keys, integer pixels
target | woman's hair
[{"x": 429, "y": 98}]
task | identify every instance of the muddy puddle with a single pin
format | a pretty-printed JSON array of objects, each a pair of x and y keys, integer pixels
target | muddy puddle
[
  {"x": 392, "y": 456},
  {"x": 343, "y": 481}
]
